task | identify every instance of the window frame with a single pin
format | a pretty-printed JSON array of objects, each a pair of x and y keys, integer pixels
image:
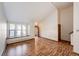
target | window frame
[{"x": 15, "y": 31}]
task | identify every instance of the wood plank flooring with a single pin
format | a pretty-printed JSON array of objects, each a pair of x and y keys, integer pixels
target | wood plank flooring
[{"x": 40, "y": 47}]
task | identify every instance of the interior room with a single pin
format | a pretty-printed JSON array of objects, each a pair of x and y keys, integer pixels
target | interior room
[{"x": 39, "y": 29}]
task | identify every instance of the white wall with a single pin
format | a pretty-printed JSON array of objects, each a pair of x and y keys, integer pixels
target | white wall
[
  {"x": 48, "y": 27},
  {"x": 2, "y": 30},
  {"x": 66, "y": 20},
  {"x": 76, "y": 28}
]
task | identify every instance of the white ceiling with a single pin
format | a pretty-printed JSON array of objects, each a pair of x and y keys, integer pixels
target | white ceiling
[
  {"x": 29, "y": 11},
  {"x": 62, "y": 4},
  {"x": 26, "y": 11}
]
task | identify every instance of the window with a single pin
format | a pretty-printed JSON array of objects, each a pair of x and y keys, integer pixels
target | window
[
  {"x": 12, "y": 30},
  {"x": 17, "y": 30},
  {"x": 23, "y": 30},
  {"x": 28, "y": 30},
  {"x": 11, "y": 33},
  {"x": 12, "y": 26}
]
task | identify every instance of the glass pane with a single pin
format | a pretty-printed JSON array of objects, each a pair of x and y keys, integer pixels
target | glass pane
[
  {"x": 23, "y": 27},
  {"x": 28, "y": 29},
  {"x": 18, "y": 27},
  {"x": 12, "y": 26},
  {"x": 18, "y": 33},
  {"x": 11, "y": 34},
  {"x": 23, "y": 33}
]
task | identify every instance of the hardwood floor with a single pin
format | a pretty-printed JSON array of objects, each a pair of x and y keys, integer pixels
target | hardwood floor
[
  {"x": 21, "y": 48},
  {"x": 40, "y": 47}
]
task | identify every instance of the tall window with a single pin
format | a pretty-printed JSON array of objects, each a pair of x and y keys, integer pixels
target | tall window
[
  {"x": 17, "y": 30},
  {"x": 28, "y": 31},
  {"x": 12, "y": 30},
  {"x": 23, "y": 30}
]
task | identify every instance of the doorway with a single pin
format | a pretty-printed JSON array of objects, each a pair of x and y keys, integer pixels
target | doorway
[
  {"x": 37, "y": 31},
  {"x": 65, "y": 23},
  {"x": 59, "y": 32}
]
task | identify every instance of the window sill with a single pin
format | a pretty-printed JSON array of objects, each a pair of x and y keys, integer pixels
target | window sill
[{"x": 18, "y": 37}]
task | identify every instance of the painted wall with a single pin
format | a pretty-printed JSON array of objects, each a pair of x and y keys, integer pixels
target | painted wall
[
  {"x": 48, "y": 27},
  {"x": 66, "y": 20},
  {"x": 2, "y": 30},
  {"x": 76, "y": 28}
]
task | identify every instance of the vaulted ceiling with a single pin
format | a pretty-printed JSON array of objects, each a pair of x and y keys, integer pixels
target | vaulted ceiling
[
  {"x": 29, "y": 11},
  {"x": 26, "y": 11},
  {"x": 61, "y": 5}
]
